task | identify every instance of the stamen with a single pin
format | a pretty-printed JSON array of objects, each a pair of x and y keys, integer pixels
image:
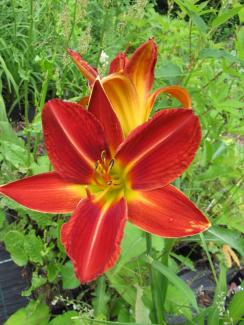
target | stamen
[
  {"x": 103, "y": 156},
  {"x": 99, "y": 168},
  {"x": 110, "y": 166},
  {"x": 101, "y": 174}
]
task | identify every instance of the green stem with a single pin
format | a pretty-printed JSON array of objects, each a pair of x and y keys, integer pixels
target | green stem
[
  {"x": 209, "y": 257},
  {"x": 26, "y": 86},
  {"x": 30, "y": 47},
  {"x": 27, "y": 123},
  {"x": 148, "y": 243},
  {"x": 39, "y": 109},
  {"x": 73, "y": 24},
  {"x": 155, "y": 288},
  {"x": 102, "y": 37},
  {"x": 190, "y": 43},
  {"x": 14, "y": 14},
  {"x": 169, "y": 243}
]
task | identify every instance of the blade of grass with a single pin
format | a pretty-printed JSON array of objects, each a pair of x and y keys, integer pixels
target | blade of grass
[
  {"x": 174, "y": 279},
  {"x": 92, "y": 321},
  {"x": 208, "y": 256}
]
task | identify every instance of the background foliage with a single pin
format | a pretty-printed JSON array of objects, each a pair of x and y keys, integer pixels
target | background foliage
[{"x": 201, "y": 47}]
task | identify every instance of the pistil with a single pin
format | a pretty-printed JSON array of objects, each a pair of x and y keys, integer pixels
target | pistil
[{"x": 102, "y": 172}]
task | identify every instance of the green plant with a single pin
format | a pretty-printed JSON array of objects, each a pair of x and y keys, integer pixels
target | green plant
[{"x": 201, "y": 48}]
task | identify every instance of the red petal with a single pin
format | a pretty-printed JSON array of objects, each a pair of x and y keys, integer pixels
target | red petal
[
  {"x": 46, "y": 192},
  {"x": 181, "y": 94},
  {"x": 118, "y": 63},
  {"x": 159, "y": 151},
  {"x": 166, "y": 212},
  {"x": 74, "y": 139},
  {"x": 100, "y": 106},
  {"x": 141, "y": 67},
  {"x": 87, "y": 71},
  {"x": 92, "y": 237}
]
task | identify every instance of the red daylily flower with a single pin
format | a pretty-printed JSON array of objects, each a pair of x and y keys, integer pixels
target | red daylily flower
[
  {"x": 104, "y": 184},
  {"x": 129, "y": 83}
]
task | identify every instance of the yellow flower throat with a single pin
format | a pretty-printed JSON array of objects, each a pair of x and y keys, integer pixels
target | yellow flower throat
[{"x": 108, "y": 179}]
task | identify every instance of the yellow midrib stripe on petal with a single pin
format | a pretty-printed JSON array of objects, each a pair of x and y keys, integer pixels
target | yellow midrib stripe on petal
[
  {"x": 95, "y": 232},
  {"x": 125, "y": 101},
  {"x": 94, "y": 237},
  {"x": 132, "y": 163}
]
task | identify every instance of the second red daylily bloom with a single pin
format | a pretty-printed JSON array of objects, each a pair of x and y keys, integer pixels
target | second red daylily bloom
[
  {"x": 104, "y": 184},
  {"x": 129, "y": 83}
]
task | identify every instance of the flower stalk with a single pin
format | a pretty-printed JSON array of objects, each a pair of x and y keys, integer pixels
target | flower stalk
[{"x": 157, "y": 309}]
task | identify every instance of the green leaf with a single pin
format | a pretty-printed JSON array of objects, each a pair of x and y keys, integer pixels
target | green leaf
[
  {"x": 14, "y": 154},
  {"x": 187, "y": 5},
  {"x": 217, "y": 54},
  {"x": 97, "y": 321},
  {"x": 175, "y": 280},
  {"x": 241, "y": 15},
  {"x": 41, "y": 166},
  {"x": 66, "y": 319},
  {"x": 9, "y": 76},
  {"x": 68, "y": 276},
  {"x": 141, "y": 311},
  {"x": 33, "y": 246},
  {"x": 236, "y": 307},
  {"x": 194, "y": 13},
  {"x": 133, "y": 245},
  {"x": 240, "y": 42},
  {"x": 6, "y": 131},
  {"x": 2, "y": 218},
  {"x": 121, "y": 285},
  {"x": 184, "y": 260},
  {"x": 201, "y": 317},
  {"x": 170, "y": 72},
  {"x": 14, "y": 242},
  {"x": 3, "y": 114},
  {"x": 177, "y": 303},
  {"x": 58, "y": 231},
  {"x": 158, "y": 243},
  {"x": 199, "y": 22},
  {"x": 52, "y": 271},
  {"x": 214, "y": 317},
  {"x": 123, "y": 311},
  {"x": 227, "y": 236},
  {"x": 42, "y": 220},
  {"x": 101, "y": 299},
  {"x": 36, "y": 282},
  {"x": 222, "y": 18},
  {"x": 35, "y": 313},
  {"x": 219, "y": 298}
]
